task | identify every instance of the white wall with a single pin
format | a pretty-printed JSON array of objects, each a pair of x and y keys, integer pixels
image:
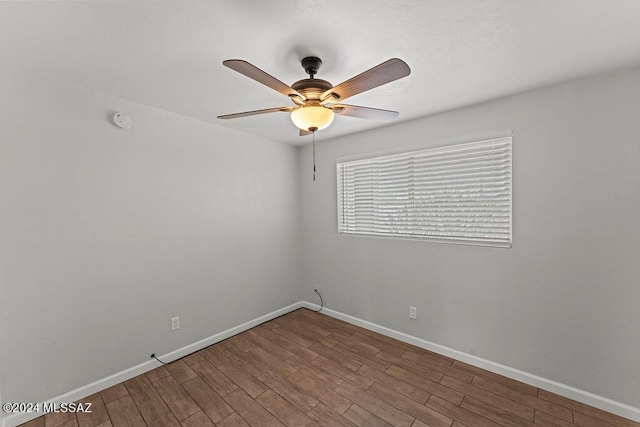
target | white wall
[
  {"x": 108, "y": 233},
  {"x": 564, "y": 302}
]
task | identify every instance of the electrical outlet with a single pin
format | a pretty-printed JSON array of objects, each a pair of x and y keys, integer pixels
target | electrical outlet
[
  {"x": 175, "y": 323},
  {"x": 413, "y": 313}
]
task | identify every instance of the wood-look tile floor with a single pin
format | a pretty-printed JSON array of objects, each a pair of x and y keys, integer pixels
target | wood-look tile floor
[{"x": 306, "y": 368}]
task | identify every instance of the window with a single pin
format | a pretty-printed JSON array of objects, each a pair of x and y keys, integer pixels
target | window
[{"x": 455, "y": 194}]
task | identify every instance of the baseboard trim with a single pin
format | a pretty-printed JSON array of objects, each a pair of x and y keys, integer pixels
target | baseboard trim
[
  {"x": 578, "y": 395},
  {"x": 573, "y": 393},
  {"x": 87, "y": 390}
]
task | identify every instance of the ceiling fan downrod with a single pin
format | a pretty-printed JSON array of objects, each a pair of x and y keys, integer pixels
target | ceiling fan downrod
[{"x": 311, "y": 65}]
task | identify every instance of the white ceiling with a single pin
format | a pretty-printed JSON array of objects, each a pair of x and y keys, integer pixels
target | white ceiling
[{"x": 169, "y": 54}]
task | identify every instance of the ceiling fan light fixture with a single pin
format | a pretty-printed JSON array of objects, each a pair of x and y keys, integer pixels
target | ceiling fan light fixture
[{"x": 313, "y": 116}]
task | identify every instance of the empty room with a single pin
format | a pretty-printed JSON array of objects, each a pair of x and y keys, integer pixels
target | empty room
[{"x": 340, "y": 213}]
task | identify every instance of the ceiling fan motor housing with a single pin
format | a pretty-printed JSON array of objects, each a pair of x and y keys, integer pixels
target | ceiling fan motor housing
[{"x": 312, "y": 88}]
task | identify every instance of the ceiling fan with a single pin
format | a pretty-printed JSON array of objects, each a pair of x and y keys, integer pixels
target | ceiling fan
[{"x": 316, "y": 101}]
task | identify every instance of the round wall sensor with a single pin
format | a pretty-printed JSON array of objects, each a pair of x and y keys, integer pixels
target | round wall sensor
[{"x": 122, "y": 120}]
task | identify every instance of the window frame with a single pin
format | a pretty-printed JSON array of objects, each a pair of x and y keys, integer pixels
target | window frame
[{"x": 443, "y": 147}]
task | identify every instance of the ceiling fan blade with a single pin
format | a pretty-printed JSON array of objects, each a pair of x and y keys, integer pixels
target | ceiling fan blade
[
  {"x": 386, "y": 72},
  {"x": 255, "y": 73},
  {"x": 256, "y": 112},
  {"x": 305, "y": 132},
  {"x": 365, "y": 112}
]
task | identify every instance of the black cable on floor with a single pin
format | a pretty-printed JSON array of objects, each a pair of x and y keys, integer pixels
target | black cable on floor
[
  {"x": 154, "y": 356},
  {"x": 321, "y": 302}
]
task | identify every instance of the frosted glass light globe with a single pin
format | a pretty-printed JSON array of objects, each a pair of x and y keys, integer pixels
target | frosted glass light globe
[{"x": 313, "y": 116}]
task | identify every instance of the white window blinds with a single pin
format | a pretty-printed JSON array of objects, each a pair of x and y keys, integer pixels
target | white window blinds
[{"x": 455, "y": 194}]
